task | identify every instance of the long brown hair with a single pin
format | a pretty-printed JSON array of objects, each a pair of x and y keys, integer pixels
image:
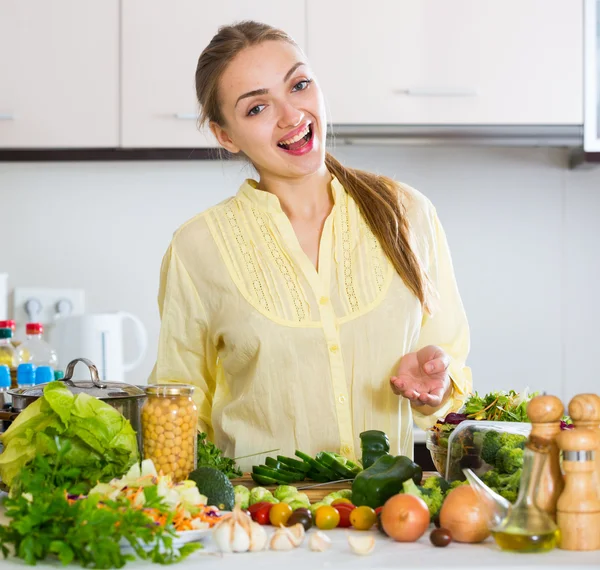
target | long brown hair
[{"x": 378, "y": 197}]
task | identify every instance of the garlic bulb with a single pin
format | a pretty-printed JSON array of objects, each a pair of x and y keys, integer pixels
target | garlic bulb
[
  {"x": 298, "y": 533},
  {"x": 234, "y": 531},
  {"x": 361, "y": 544},
  {"x": 319, "y": 542},
  {"x": 286, "y": 538},
  {"x": 258, "y": 537}
]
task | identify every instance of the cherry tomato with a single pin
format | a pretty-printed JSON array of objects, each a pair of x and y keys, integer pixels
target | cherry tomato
[
  {"x": 379, "y": 525},
  {"x": 260, "y": 512},
  {"x": 341, "y": 502},
  {"x": 326, "y": 517},
  {"x": 344, "y": 509},
  {"x": 363, "y": 518},
  {"x": 280, "y": 513}
]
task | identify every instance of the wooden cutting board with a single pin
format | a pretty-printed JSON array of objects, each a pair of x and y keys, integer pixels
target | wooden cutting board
[{"x": 315, "y": 494}]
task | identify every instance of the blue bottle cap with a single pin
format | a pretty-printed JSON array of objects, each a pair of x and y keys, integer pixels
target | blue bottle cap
[
  {"x": 26, "y": 374},
  {"x": 4, "y": 376},
  {"x": 59, "y": 374},
  {"x": 44, "y": 374}
]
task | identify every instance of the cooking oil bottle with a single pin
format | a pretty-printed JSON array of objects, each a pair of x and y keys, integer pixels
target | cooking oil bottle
[
  {"x": 8, "y": 354},
  {"x": 527, "y": 528}
]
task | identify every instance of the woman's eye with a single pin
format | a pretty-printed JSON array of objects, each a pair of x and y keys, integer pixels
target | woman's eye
[
  {"x": 255, "y": 110},
  {"x": 302, "y": 85}
]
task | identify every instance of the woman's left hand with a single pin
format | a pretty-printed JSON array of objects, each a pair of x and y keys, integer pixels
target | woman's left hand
[{"x": 422, "y": 377}]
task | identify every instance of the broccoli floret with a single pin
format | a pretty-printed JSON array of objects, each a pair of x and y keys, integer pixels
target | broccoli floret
[
  {"x": 504, "y": 484},
  {"x": 433, "y": 497},
  {"x": 457, "y": 483},
  {"x": 437, "y": 483},
  {"x": 490, "y": 446},
  {"x": 512, "y": 440},
  {"x": 509, "y": 460}
]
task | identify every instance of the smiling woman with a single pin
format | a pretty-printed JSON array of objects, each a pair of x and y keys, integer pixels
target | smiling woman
[{"x": 320, "y": 301}]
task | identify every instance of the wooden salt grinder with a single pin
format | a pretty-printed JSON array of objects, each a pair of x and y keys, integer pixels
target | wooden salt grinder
[
  {"x": 584, "y": 410},
  {"x": 545, "y": 413},
  {"x": 578, "y": 509}
]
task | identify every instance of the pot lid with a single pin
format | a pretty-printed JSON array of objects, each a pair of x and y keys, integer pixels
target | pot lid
[{"x": 94, "y": 387}]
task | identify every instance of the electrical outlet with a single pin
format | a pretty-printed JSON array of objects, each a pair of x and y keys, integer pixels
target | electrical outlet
[{"x": 47, "y": 304}]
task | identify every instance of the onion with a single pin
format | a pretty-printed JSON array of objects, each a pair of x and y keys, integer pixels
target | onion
[
  {"x": 464, "y": 515},
  {"x": 405, "y": 518}
]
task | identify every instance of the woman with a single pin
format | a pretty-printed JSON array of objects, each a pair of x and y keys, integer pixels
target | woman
[{"x": 318, "y": 302}]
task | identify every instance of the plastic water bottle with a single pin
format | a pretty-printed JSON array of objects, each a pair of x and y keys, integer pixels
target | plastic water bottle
[
  {"x": 25, "y": 375},
  {"x": 35, "y": 349},
  {"x": 44, "y": 374}
]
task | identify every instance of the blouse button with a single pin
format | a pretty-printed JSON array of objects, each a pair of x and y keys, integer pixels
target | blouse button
[
  {"x": 324, "y": 300},
  {"x": 334, "y": 348},
  {"x": 342, "y": 399},
  {"x": 346, "y": 450}
]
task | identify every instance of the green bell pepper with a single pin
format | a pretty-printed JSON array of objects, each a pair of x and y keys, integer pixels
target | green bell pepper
[
  {"x": 375, "y": 485},
  {"x": 374, "y": 444}
]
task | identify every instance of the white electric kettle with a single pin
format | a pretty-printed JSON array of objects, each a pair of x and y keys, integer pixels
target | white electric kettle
[{"x": 99, "y": 338}]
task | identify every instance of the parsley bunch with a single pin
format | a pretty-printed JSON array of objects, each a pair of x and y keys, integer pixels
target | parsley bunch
[
  {"x": 209, "y": 455},
  {"x": 44, "y": 522}
]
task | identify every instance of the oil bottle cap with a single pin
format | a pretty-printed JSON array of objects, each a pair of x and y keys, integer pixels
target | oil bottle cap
[
  {"x": 4, "y": 376},
  {"x": 26, "y": 374},
  {"x": 34, "y": 328},
  {"x": 5, "y": 333}
]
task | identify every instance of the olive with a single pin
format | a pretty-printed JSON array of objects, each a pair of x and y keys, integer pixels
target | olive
[
  {"x": 301, "y": 516},
  {"x": 440, "y": 537}
]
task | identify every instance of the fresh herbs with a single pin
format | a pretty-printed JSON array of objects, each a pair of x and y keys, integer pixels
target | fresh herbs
[
  {"x": 499, "y": 406},
  {"x": 209, "y": 455},
  {"x": 45, "y": 520}
]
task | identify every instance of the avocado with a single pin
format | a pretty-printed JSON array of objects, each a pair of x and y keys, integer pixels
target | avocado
[{"x": 216, "y": 486}]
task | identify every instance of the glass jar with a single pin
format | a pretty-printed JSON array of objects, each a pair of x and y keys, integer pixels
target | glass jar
[{"x": 169, "y": 433}]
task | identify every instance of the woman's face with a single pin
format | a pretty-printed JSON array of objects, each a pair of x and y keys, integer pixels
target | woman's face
[{"x": 274, "y": 111}]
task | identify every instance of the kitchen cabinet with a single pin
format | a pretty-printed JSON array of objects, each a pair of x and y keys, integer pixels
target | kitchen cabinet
[
  {"x": 591, "y": 130},
  {"x": 59, "y": 77},
  {"x": 161, "y": 43},
  {"x": 441, "y": 62}
]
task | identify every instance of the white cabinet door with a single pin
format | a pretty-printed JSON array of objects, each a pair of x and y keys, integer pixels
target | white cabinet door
[
  {"x": 449, "y": 61},
  {"x": 161, "y": 43},
  {"x": 59, "y": 73}
]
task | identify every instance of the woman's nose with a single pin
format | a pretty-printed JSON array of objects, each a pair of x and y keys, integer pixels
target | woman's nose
[{"x": 289, "y": 116}]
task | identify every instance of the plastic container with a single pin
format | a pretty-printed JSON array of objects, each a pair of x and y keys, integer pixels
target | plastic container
[
  {"x": 169, "y": 433},
  {"x": 8, "y": 353},
  {"x": 464, "y": 445},
  {"x": 25, "y": 374},
  {"x": 35, "y": 349}
]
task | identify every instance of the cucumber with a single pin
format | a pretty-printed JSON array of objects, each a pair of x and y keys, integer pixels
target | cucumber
[
  {"x": 277, "y": 466},
  {"x": 318, "y": 477},
  {"x": 282, "y": 478},
  {"x": 263, "y": 481},
  {"x": 294, "y": 464},
  {"x": 334, "y": 464},
  {"x": 319, "y": 467}
]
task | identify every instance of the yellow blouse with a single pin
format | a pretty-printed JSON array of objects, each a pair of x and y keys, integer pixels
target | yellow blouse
[{"x": 287, "y": 357}]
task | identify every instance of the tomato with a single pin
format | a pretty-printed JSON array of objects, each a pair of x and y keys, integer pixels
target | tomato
[
  {"x": 280, "y": 513},
  {"x": 341, "y": 502},
  {"x": 344, "y": 509},
  {"x": 327, "y": 517},
  {"x": 363, "y": 518},
  {"x": 260, "y": 512}
]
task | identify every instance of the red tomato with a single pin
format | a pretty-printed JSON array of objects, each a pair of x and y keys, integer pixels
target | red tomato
[
  {"x": 260, "y": 512},
  {"x": 344, "y": 509}
]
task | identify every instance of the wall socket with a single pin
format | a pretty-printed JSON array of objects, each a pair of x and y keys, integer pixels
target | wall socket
[{"x": 50, "y": 303}]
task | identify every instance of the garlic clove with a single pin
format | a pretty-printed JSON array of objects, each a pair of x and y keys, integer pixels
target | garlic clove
[
  {"x": 258, "y": 537},
  {"x": 298, "y": 533},
  {"x": 232, "y": 532},
  {"x": 282, "y": 539},
  {"x": 319, "y": 542},
  {"x": 362, "y": 545}
]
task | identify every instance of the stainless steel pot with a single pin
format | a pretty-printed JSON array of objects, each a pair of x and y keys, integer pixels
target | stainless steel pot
[{"x": 125, "y": 398}]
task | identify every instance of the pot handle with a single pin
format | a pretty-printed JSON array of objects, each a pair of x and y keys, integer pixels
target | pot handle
[{"x": 93, "y": 372}]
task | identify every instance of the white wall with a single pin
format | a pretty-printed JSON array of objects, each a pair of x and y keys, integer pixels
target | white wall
[{"x": 522, "y": 228}]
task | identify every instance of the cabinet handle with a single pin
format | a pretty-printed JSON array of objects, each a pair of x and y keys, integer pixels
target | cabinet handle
[
  {"x": 186, "y": 116},
  {"x": 434, "y": 92},
  {"x": 7, "y": 117}
]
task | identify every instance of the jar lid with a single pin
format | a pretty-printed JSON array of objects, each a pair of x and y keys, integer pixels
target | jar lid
[{"x": 170, "y": 390}]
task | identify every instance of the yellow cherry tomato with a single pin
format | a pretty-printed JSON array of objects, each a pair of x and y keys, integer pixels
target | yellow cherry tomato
[
  {"x": 341, "y": 502},
  {"x": 363, "y": 518},
  {"x": 279, "y": 514},
  {"x": 326, "y": 518}
]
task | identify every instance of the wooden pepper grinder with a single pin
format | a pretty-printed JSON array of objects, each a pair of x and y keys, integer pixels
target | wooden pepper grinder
[
  {"x": 578, "y": 509},
  {"x": 584, "y": 410},
  {"x": 545, "y": 413}
]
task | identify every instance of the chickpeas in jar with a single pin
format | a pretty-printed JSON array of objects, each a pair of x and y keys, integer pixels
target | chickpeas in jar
[{"x": 169, "y": 434}]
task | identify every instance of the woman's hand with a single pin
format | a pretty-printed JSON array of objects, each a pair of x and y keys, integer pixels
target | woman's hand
[{"x": 423, "y": 378}]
